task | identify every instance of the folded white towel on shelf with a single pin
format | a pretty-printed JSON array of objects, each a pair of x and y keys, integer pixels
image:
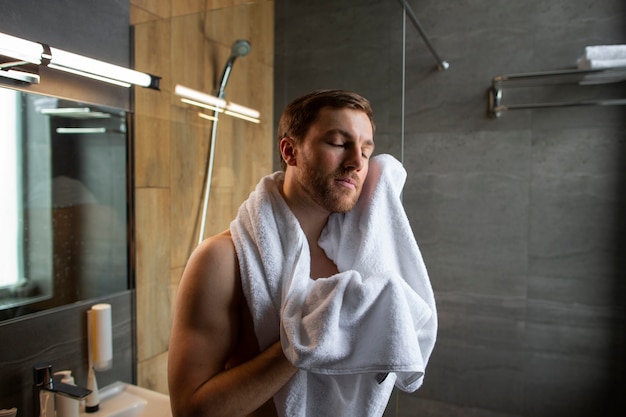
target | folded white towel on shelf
[
  {"x": 588, "y": 64},
  {"x": 347, "y": 332},
  {"x": 603, "y": 57},
  {"x": 605, "y": 52}
]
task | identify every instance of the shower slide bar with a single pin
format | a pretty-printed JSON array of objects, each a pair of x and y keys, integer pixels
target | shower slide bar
[
  {"x": 537, "y": 79},
  {"x": 240, "y": 48}
]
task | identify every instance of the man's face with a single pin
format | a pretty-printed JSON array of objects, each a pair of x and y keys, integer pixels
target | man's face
[{"x": 333, "y": 158}]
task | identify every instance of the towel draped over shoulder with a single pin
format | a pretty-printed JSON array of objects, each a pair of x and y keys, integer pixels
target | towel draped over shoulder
[{"x": 352, "y": 335}]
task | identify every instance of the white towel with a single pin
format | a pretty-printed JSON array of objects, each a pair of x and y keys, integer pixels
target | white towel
[
  {"x": 588, "y": 64},
  {"x": 602, "y": 57},
  {"x": 605, "y": 52},
  {"x": 345, "y": 332}
]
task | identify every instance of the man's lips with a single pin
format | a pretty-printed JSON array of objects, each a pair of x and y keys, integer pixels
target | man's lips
[{"x": 347, "y": 182}]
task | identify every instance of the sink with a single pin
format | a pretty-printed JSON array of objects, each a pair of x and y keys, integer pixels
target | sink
[
  {"x": 127, "y": 400},
  {"x": 158, "y": 404}
]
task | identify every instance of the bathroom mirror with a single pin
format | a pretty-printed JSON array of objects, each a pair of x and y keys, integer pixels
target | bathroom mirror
[{"x": 63, "y": 212}]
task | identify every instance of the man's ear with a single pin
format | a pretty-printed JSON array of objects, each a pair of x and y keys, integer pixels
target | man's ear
[{"x": 288, "y": 150}]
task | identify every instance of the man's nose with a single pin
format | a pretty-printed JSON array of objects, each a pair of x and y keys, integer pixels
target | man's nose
[{"x": 354, "y": 159}]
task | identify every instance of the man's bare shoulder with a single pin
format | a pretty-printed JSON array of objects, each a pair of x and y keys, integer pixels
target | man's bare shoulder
[
  {"x": 214, "y": 260},
  {"x": 214, "y": 247},
  {"x": 218, "y": 240}
]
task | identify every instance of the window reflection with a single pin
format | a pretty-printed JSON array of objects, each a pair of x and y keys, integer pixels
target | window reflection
[{"x": 10, "y": 210}]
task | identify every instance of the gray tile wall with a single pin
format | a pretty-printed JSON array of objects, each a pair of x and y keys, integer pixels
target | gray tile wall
[
  {"x": 59, "y": 337},
  {"x": 520, "y": 219}
]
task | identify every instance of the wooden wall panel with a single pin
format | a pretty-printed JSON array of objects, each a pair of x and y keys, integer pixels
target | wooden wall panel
[
  {"x": 188, "y": 42},
  {"x": 189, "y": 151},
  {"x": 152, "y": 207}
]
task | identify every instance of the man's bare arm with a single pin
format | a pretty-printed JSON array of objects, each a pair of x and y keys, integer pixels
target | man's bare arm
[{"x": 205, "y": 333}]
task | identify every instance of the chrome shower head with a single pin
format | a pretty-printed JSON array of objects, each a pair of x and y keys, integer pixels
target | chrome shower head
[{"x": 240, "y": 48}]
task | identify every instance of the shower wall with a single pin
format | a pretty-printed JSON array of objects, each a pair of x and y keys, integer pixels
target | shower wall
[{"x": 520, "y": 219}]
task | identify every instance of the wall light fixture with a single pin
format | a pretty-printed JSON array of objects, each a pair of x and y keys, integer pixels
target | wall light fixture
[
  {"x": 18, "y": 54},
  {"x": 218, "y": 105}
]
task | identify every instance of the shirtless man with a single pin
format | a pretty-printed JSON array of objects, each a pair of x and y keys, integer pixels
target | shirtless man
[{"x": 325, "y": 141}]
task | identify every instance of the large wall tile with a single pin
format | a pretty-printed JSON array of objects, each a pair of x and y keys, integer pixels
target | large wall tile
[
  {"x": 152, "y": 207},
  {"x": 151, "y": 152}
]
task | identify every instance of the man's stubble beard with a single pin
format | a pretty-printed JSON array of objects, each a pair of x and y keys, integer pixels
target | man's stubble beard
[{"x": 326, "y": 192}]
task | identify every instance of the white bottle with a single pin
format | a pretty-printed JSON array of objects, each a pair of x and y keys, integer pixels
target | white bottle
[
  {"x": 66, "y": 406},
  {"x": 92, "y": 401}
]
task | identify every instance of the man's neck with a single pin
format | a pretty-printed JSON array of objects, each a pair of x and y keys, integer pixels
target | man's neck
[
  {"x": 310, "y": 215},
  {"x": 312, "y": 218},
  {"x": 312, "y": 223}
]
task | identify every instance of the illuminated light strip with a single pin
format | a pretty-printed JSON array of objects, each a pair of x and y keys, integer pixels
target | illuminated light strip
[
  {"x": 236, "y": 108},
  {"x": 242, "y": 116},
  {"x": 199, "y": 104},
  {"x": 20, "y": 49},
  {"x": 66, "y": 110},
  {"x": 75, "y": 113},
  {"x": 206, "y": 116},
  {"x": 89, "y": 75},
  {"x": 199, "y": 96},
  {"x": 74, "y": 130},
  {"x": 40, "y": 54},
  {"x": 24, "y": 76},
  {"x": 207, "y": 101},
  {"x": 69, "y": 61}
]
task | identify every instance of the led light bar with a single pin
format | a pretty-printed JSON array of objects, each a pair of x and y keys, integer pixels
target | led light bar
[
  {"x": 76, "y": 113},
  {"x": 41, "y": 54},
  {"x": 206, "y": 116},
  {"x": 207, "y": 101},
  {"x": 80, "y": 130}
]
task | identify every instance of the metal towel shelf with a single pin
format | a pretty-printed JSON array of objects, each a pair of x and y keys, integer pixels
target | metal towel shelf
[{"x": 537, "y": 79}]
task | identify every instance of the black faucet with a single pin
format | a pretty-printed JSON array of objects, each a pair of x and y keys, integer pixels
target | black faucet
[{"x": 43, "y": 380}]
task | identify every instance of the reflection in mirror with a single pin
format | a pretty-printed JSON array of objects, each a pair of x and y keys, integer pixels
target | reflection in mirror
[{"x": 63, "y": 211}]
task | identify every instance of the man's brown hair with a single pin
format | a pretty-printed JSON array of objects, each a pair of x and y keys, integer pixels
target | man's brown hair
[{"x": 302, "y": 112}]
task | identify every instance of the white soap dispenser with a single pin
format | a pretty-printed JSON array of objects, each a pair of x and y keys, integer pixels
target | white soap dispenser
[
  {"x": 66, "y": 406},
  {"x": 92, "y": 402}
]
